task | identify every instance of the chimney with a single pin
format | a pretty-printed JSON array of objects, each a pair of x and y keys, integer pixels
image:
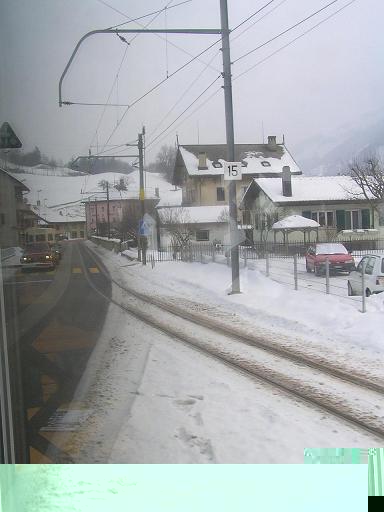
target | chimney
[
  {"x": 272, "y": 142},
  {"x": 286, "y": 181},
  {"x": 202, "y": 161},
  {"x": 157, "y": 194}
]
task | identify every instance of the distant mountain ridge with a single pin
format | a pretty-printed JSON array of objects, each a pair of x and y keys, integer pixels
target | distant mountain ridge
[{"x": 327, "y": 156}]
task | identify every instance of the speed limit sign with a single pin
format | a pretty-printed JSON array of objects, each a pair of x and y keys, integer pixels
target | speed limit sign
[{"x": 232, "y": 171}]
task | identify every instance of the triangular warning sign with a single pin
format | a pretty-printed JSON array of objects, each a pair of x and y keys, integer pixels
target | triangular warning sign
[{"x": 8, "y": 138}]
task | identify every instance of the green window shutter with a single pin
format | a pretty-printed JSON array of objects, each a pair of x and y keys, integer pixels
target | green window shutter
[
  {"x": 340, "y": 219},
  {"x": 306, "y": 214},
  {"x": 365, "y": 219}
]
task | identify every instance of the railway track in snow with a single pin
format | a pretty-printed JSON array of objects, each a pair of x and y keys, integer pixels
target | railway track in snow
[{"x": 352, "y": 398}]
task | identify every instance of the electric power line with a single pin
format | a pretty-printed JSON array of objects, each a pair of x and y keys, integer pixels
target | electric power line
[
  {"x": 295, "y": 39},
  {"x": 285, "y": 31},
  {"x": 258, "y": 63},
  {"x": 177, "y": 70},
  {"x": 189, "y": 106}
]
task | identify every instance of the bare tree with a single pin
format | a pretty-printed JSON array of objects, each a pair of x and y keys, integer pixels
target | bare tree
[
  {"x": 129, "y": 224},
  {"x": 177, "y": 222},
  {"x": 263, "y": 220},
  {"x": 368, "y": 174},
  {"x": 165, "y": 162}
]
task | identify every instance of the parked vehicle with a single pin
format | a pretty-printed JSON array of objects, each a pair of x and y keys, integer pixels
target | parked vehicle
[
  {"x": 38, "y": 255},
  {"x": 373, "y": 276},
  {"x": 340, "y": 260}
]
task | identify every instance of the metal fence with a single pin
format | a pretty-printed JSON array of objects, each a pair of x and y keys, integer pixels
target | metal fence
[{"x": 258, "y": 250}]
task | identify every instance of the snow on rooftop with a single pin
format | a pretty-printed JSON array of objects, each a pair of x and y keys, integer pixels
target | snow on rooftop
[
  {"x": 295, "y": 221},
  {"x": 55, "y": 191},
  {"x": 311, "y": 188},
  {"x": 197, "y": 214},
  {"x": 259, "y": 159}
]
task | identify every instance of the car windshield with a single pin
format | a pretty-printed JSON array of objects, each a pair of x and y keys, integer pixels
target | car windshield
[
  {"x": 36, "y": 248},
  {"x": 331, "y": 249}
]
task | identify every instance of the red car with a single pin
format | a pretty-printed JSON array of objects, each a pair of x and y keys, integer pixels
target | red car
[
  {"x": 38, "y": 255},
  {"x": 340, "y": 260}
]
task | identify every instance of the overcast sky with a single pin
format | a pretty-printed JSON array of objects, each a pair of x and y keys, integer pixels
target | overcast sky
[{"x": 330, "y": 78}]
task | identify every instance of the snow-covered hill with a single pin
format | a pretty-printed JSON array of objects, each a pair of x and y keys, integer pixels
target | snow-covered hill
[{"x": 63, "y": 196}]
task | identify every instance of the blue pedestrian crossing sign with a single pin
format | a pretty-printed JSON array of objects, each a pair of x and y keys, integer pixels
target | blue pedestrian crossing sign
[
  {"x": 143, "y": 228},
  {"x": 8, "y": 138}
]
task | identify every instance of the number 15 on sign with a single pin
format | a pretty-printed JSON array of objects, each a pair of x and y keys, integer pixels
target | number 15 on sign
[{"x": 232, "y": 171}]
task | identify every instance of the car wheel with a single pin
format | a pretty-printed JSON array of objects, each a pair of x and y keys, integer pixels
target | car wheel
[
  {"x": 350, "y": 291},
  {"x": 368, "y": 292},
  {"x": 307, "y": 267}
]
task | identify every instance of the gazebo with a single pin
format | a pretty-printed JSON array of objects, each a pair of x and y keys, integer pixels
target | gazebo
[{"x": 295, "y": 223}]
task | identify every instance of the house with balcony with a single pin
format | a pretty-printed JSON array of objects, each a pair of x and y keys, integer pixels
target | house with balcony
[
  {"x": 335, "y": 202},
  {"x": 199, "y": 171}
]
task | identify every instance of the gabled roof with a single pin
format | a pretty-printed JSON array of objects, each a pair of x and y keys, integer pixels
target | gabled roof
[
  {"x": 196, "y": 214},
  {"x": 260, "y": 159},
  {"x": 312, "y": 189},
  {"x": 17, "y": 182}
]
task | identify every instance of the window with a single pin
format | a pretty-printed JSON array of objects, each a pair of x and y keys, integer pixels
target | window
[
  {"x": 321, "y": 218},
  {"x": 363, "y": 261},
  {"x": 330, "y": 221},
  {"x": 40, "y": 238},
  {"x": 370, "y": 265},
  {"x": 81, "y": 234},
  {"x": 2, "y": 218},
  {"x": 314, "y": 216},
  {"x": 220, "y": 194},
  {"x": 202, "y": 235},
  {"x": 264, "y": 163},
  {"x": 73, "y": 234},
  {"x": 50, "y": 237}
]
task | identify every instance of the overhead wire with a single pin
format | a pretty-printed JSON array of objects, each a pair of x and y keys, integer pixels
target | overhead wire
[
  {"x": 184, "y": 65},
  {"x": 187, "y": 108},
  {"x": 295, "y": 39},
  {"x": 263, "y": 60},
  {"x": 285, "y": 31},
  {"x": 119, "y": 69},
  {"x": 131, "y": 20}
]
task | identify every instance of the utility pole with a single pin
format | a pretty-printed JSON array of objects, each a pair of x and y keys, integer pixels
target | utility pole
[
  {"x": 108, "y": 223},
  {"x": 97, "y": 225},
  {"x": 142, "y": 236},
  {"x": 230, "y": 145}
]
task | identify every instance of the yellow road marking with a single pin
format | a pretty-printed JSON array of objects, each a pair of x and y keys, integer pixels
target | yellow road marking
[
  {"x": 76, "y": 270},
  {"x": 94, "y": 270}
]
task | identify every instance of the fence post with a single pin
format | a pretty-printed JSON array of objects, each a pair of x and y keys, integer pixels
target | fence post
[
  {"x": 152, "y": 261},
  {"x": 295, "y": 270},
  {"x": 213, "y": 254},
  {"x": 245, "y": 258},
  {"x": 228, "y": 258},
  {"x": 327, "y": 275},
  {"x": 267, "y": 263},
  {"x": 201, "y": 255},
  {"x": 363, "y": 310}
]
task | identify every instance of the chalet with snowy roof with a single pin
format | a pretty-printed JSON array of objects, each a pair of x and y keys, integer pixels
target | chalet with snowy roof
[
  {"x": 199, "y": 169},
  {"x": 335, "y": 202}
]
